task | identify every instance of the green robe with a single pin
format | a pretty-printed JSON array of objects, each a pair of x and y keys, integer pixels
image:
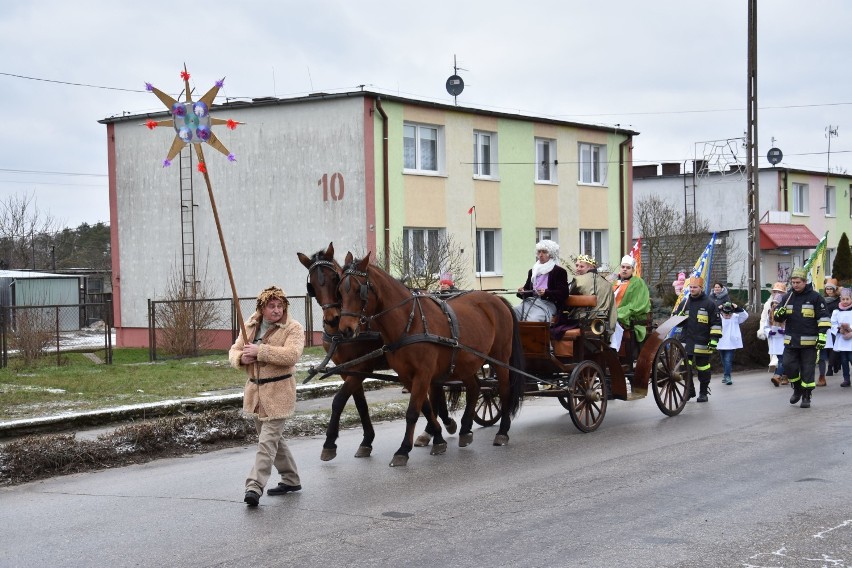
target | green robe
[{"x": 634, "y": 307}]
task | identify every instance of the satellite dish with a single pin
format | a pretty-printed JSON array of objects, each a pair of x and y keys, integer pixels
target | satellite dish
[
  {"x": 455, "y": 85},
  {"x": 774, "y": 156}
]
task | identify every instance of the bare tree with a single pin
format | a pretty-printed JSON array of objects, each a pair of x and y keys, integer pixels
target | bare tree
[
  {"x": 23, "y": 231},
  {"x": 186, "y": 319},
  {"x": 670, "y": 241},
  {"x": 421, "y": 264}
]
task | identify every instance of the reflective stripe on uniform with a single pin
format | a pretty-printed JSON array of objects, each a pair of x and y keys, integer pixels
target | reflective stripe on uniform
[
  {"x": 807, "y": 340},
  {"x": 808, "y": 385},
  {"x": 703, "y": 367}
]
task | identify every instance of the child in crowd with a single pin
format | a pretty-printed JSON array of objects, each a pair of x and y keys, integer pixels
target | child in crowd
[
  {"x": 841, "y": 324},
  {"x": 732, "y": 316},
  {"x": 774, "y": 332}
]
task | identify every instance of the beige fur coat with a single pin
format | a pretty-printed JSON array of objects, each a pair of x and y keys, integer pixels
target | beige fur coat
[{"x": 279, "y": 351}]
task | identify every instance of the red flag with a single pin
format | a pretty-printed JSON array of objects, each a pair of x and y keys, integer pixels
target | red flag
[
  {"x": 636, "y": 253},
  {"x": 470, "y": 211}
]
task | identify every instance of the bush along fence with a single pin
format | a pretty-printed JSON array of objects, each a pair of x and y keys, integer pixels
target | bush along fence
[
  {"x": 193, "y": 327},
  {"x": 32, "y": 335}
]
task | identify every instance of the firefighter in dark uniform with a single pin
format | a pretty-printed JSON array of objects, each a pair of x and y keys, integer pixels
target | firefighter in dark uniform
[
  {"x": 701, "y": 332},
  {"x": 806, "y": 322}
]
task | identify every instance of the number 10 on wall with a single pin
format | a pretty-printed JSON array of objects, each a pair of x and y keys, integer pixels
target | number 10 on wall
[{"x": 335, "y": 189}]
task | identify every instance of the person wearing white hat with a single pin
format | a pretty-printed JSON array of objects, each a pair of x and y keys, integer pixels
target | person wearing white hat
[
  {"x": 632, "y": 299},
  {"x": 546, "y": 287}
]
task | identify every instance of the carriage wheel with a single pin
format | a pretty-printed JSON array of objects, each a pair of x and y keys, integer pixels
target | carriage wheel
[
  {"x": 669, "y": 377},
  {"x": 488, "y": 408},
  {"x": 587, "y": 396}
]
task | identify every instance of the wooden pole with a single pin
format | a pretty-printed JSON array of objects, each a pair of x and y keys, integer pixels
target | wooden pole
[{"x": 236, "y": 298}]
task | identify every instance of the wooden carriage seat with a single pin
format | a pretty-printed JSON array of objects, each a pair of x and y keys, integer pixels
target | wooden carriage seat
[{"x": 565, "y": 347}]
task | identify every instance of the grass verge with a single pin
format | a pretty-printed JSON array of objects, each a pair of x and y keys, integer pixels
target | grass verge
[{"x": 81, "y": 384}]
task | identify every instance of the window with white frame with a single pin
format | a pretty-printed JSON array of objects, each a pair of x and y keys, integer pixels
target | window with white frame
[
  {"x": 830, "y": 193},
  {"x": 420, "y": 249},
  {"x": 594, "y": 244},
  {"x": 800, "y": 199},
  {"x": 422, "y": 148},
  {"x": 592, "y": 160},
  {"x": 545, "y": 160},
  {"x": 488, "y": 252},
  {"x": 484, "y": 154},
  {"x": 549, "y": 234}
]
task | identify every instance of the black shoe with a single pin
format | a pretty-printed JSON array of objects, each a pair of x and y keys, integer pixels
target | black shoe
[
  {"x": 806, "y": 402},
  {"x": 797, "y": 395},
  {"x": 252, "y": 498},
  {"x": 701, "y": 398},
  {"x": 283, "y": 488}
]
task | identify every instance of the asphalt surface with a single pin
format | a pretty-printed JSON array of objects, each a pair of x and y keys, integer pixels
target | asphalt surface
[{"x": 744, "y": 480}]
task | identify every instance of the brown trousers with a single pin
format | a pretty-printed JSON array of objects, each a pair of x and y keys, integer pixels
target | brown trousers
[{"x": 271, "y": 450}]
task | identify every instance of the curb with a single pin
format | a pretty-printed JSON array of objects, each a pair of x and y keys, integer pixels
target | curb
[{"x": 104, "y": 416}]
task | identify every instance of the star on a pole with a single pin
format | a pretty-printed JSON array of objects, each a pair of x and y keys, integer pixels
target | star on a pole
[{"x": 191, "y": 120}]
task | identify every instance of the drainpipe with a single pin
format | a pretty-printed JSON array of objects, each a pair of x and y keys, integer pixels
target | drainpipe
[
  {"x": 621, "y": 190},
  {"x": 385, "y": 176}
]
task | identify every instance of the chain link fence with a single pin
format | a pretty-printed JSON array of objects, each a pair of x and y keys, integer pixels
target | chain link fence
[
  {"x": 30, "y": 334},
  {"x": 189, "y": 328}
]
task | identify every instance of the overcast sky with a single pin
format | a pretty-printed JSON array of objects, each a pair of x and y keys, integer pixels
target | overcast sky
[{"x": 674, "y": 70}]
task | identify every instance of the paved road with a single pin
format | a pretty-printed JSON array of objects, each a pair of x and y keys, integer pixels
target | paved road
[{"x": 745, "y": 480}]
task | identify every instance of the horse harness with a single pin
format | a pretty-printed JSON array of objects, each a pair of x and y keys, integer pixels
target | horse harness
[
  {"x": 319, "y": 266},
  {"x": 407, "y": 337}
]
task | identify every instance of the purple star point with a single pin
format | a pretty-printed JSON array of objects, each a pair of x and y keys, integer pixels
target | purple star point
[
  {"x": 149, "y": 87},
  {"x": 220, "y": 82},
  {"x": 167, "y": 163},
  {"x": 232, "y": 158}
]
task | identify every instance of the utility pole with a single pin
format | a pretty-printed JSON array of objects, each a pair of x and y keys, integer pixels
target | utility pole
[
  {"x": 752, "y": 170},
  {"x": 830, "y": 131}
]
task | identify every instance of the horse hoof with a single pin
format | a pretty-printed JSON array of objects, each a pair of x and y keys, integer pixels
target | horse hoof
[
  {"x": 465, "y": 439},
  {"x": 363, "y": 452},
  {"x": 451, "y": 426},
  {"x": 399, "y": 461},
  {"x": 328, "y": 454},
  {"x": 438, "y": 449},
  {"x": 501, "y": 440},
  {"x": 423, "y": 440}
]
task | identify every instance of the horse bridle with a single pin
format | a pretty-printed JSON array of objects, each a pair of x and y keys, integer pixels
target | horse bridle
[
  {"x": 319, "y": 265},
  {"x": 364, "y": 291}
]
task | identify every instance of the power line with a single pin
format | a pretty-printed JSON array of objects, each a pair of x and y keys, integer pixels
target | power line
[
  {"x": 73, "y": 84},
  {"x": 50, "y": 173}
]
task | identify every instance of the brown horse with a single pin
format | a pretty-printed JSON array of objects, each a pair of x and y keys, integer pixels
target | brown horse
[
  {"x": 323, "y": 278},
  {"x": 430, "y": 340}
]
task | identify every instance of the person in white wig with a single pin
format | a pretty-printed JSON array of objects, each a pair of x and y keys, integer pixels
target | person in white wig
[{"x": 546, "y": 288}]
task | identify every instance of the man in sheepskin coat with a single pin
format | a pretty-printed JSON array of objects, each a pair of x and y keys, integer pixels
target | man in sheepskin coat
[{"x": 275, "y": 343}]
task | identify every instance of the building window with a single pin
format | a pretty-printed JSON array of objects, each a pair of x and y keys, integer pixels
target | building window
[
  {"x": 593, "y": 243},
  {"x": 488, "y": 252},
  {"x": 423, "y": 147},
  {"x": 485, "y": 155},
  {"x": 417, "y": 244},
  {"x": 545, "y": 160},
  {"x": 800, "y": 199},
  {"x": 549, "y": 234},
  {"x": 592, "y": 164},
  {"x": 830, "y": 201}
]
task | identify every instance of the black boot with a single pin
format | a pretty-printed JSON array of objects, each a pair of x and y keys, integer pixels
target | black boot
[
  {"x": 806, "y": 398},
  {"x": 797, "y": 392},
  {"x": 690, "y": 389},
  {"x": 705, "y": 390}
]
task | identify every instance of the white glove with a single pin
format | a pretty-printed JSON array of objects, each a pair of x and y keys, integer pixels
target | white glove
[{"x": 761, "y": 334}]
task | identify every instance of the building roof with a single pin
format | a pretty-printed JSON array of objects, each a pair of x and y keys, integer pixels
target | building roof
[
  {"x": 786, "y": 236},
  {"x": 313, "y": 97},
  {"x": 22, "y": 274}
]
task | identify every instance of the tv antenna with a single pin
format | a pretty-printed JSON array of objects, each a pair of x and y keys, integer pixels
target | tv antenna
[{"x": 455, "y": 84}]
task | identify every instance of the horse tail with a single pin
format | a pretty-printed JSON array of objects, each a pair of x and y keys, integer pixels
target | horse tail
[
  {"x": 517, "y": 381},
  {"x": 453, "y": 396}
]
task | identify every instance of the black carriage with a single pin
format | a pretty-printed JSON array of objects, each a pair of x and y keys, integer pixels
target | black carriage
[{"x": 583, "y": 372}]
